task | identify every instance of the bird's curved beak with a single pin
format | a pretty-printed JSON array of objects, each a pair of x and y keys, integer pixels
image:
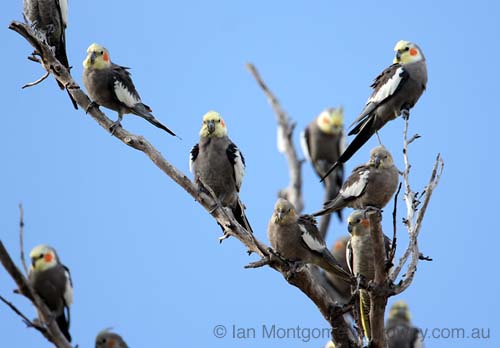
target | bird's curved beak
[
  {"x": 378, "y": 161},
  {"x": 92, "y": 58},
  {"x": 349, "y": 228},
  {"x": 33, "y": 262},
  {"x": 211, "y": 126},
  {"x": 397, "y": 59}
]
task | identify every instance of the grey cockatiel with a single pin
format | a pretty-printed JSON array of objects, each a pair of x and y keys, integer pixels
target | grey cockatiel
[
  {"x": 50, "y": 17},
  {"x": 369, "y": 185},
  {"x": 322, "y": 142},
  {"x": 339, "y": 252},
  {"x": 399, "y": 330},
  {"x": 218, "y": 163},
  {"x": 52, "y": 281},
  {"x": 107, "y": 339},
  {"x": 296, "y": 238},
  {"x": 396, "y": 90},
  {"x": 111, "y": 86},
  {"x": 360, "y": 260}
]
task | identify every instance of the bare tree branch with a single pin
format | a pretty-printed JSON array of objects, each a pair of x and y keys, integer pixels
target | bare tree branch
[
  {"x": 293, "y": 192},
  {"x": 21, "y": 237},
  {"x": 414, "y": 216},
  {"x": 34, "y": 83},
  {"x": 307, "y": 281}
]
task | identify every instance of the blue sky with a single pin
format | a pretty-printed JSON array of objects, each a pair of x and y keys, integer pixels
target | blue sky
[{"x": 145, "y": 258}]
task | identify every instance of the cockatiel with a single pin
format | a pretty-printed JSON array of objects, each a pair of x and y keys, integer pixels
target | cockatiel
[
  {"x": 50, "y": 17},
  {"x": 111, "y": 86},
  {"x": 107, "y": 339},
  {"x": 396, "y": 90},
  {"x": 52, "y": 282},
  {"x": 370, "y": 185},
  {"x": 399, "y": 330},
  {"x": 322, "y": 142},
  {"x": 296, "y": 238},
  {"x": 339, "y": 252},
  {"x": 218, "y": 163}
]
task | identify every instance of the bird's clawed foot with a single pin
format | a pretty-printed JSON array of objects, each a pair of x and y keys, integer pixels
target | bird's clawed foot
[
  {"x": 114, "y": 127},
  {"x": 405, "y": 113},
  {"x": 371, "y": 209},
  {"x": 91, "y": 105}
]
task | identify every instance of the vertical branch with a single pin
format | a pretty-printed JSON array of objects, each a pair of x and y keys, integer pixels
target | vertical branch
[
  {"x": 293, "y": 192},
  {"x": 378, "y": 290},
  {"x": 21, "y": 237}
]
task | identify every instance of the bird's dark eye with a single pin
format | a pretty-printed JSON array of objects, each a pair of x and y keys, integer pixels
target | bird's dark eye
[
  {"x": 218, "y": 121},
  {"x": 41, "y": 256},
  {"x": 358, "y": 221},
  {"x": 102, "y": 52},
  {"x": 407, "y": 48}
]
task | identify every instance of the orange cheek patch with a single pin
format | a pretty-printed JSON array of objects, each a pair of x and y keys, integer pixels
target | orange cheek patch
[
  {"x": 365, "y": 223},
  {"x": 413, "y": 52},
  {"x": 325, "y": 121},
  {"x": 48, "y": 257},
  {"x": 105, "y": 56},
  {"x": 338, "y": 245},
  {"x": 111, "y": 343},
  {"x": 222, "y": 123}
]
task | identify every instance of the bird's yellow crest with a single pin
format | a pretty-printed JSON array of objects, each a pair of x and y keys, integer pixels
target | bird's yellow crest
[
  {"x": 213, "y": 125},
  {"x": 407, "y": 52},
  {"x": 97, "y": 57},
  {"x": 331, "y": 120},
  {"x": 400, "y": 310},
  {"x": 42, "y": 257}
]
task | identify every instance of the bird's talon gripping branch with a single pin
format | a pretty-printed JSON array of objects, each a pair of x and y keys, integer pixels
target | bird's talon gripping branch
[
  {"x": 405, "y": 113},
  {"x": 91, "y": 105},
  {"x": 114, "y": 127}
]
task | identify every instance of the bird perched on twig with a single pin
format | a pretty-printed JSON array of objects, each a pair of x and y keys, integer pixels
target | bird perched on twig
[
  {"x": 296, "y": 238},
  {"x": 108, "y": 339},
  {"x": 218, "y": 163},
  {"x": 360, "y": 260},
  {"x": 399, "y": 330},
  {"x": 370, "y": 185},
  {"x": 50, "y": 17},
  {"x": 111, "y": 86},
  {"x": 52, "y": 282},
  {"x": 396, "y": 90},
  {"x": 322, "y": 142}
]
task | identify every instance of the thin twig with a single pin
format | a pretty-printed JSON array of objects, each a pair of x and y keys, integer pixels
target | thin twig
[
  {"x": 394, "y": 226},
  {"x": 285, "y": 140},
  {"x": 34, "y": 83},
  {"x": 27, "y": 321},
  {"x": 21, "y": 237}
]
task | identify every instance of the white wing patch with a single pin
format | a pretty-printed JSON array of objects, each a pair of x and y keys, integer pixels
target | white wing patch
[
  {"x": 191, "y": 160},
  {"x": 418, "y": 340},
  {"x": 68, "y": 291},
  {"x": 388, "y": 88},
  {"x": 124, "y": 95},
  {"x": 311, "y": 242},
  {"x": 304, "y": 146},
  {"x": 348, "y": 256},
  {"x": 239, "y": 169},
  {"x": 63, "y": 7},
  {"x": 356, "y": 188},
  {"x": 280, "y": 140}
]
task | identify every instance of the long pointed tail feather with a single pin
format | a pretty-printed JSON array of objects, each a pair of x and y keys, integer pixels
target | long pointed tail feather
[
  {"x": 361, "y": 138},
  {"x": 143, "y": 111}
]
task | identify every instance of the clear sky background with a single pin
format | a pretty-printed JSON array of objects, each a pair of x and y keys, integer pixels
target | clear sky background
[{"x": 145, "y": 258}]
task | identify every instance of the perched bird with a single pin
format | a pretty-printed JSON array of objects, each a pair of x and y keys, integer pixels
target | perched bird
[
  {"x": 360, "y": 260},
  {"x": 322, "y": 142},
  {"x": 369, "y": 185},
  {"x": 339, "y": 252},
  {"x": 399, "y": 330},
  {"x": 218, "y": 163},
  {"x": 296, "y": 238},
  {"x": 107, "y": 339},
  {"x": 110, "y": 85},
  {"x": 50, "y": 17},
  {"x": 396, "y": 90},
  {"x": 52, "y": 282}
]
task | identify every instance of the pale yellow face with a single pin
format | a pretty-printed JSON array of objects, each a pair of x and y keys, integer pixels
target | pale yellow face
[
  {"x": 358, "y": 223},
  {"x": 213, "y": 125},
  {"x": 407, "y": 52},
  {"x": 42, "y": 258},
  {"x": 97, "y": 57},
  {"x": 400, "y": 309},
  {"x": 284, "y": 212},
  {"x": 331, "y": 121},
  {"x": 380, "y": 157}
]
